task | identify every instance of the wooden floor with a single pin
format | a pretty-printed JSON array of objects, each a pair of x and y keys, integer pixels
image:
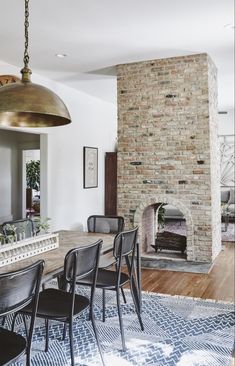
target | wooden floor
[{"x": 219, "y": 284}]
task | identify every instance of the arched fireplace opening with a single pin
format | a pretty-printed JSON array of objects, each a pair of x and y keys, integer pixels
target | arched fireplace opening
[
  {"x": 171, "y": 234},
  {"x": 145, "y": 218},
  {"x": 164, "y": 231}
]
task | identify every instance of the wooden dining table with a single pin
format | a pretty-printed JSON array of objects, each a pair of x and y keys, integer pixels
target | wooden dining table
[{"x": 54, "y": 259}]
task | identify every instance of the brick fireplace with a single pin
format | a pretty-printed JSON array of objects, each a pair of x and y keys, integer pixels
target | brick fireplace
[{"x": 168, "y": 148}]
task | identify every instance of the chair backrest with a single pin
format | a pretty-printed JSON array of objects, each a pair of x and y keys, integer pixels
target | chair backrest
[
  {"x": 125, "y": 242},
  {"x": 124, "y": 252},
  {"x": 105, "y": 224},
  {"x": 82, "y": 261},
  {"x": 25, "y": 227},
  {"x": 19, "y": 288}
]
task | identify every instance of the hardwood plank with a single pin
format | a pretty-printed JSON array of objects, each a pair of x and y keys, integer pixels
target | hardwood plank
[{"x": 219, "y": 284}]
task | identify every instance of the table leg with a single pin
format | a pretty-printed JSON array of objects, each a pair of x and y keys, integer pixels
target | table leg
[
  {"x": 225, "y": 219},
  {"x": 136, "y": 279},
  {"x": 226, "y": 222},
  {"x": 138, "y": 270}
]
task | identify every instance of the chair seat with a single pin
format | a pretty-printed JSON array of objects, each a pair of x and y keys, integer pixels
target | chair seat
[
  {"x": 56, "y": 304},
  {"x": 106, "y": 279},
  {"x": 12, "y": 346}
]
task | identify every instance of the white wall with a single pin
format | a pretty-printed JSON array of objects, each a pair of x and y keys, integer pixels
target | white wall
[
  {"x": 32, "y": 155},
  {"x": 11, "y": 145},
  {"x": 7, "y": 160},
  {"x": 93, "y": 124},
  {"x": 226, "y": 123}
]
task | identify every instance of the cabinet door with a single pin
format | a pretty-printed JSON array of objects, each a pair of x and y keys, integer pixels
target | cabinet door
[{"x": 111, "y": 183}]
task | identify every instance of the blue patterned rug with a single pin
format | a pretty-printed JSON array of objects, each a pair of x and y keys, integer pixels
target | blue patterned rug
[{"x": 178, "y": 331}]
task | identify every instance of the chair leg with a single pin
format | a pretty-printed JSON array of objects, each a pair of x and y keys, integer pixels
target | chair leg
[
  {"x": 64, "y": 332},
  {"x": 47, "y": 335},
  {"x": 136, "y": 309},
  {"x": 123, "y": 295},
  {"x": 96, "y": 337},
  {"x": 71, "y": 342},
  {"x": 13, "y": 322},
  {"x": 89, "y": 318},
  {"x": 61, "y": 283},
  {"x": 25, "y": 327},
  {"x": 3, "y": 321},
  {"x": 28, "y": 356},
  {"x": 103, "y": 302},
  {"x": 120, "y": 319},
  {"x": 25, "y": 324}
]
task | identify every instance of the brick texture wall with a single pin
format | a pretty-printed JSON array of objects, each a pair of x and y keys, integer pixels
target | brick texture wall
[{"x": 168, "y": 148}]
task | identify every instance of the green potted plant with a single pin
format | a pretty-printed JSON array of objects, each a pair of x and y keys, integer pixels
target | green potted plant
[
  {"x": 161, "y": 217},
  {"x": 11, "y": 233},
  {"x": 42, "y": 225},
  {"x": 2, "y": 239},
  {"x": 32, "y": 180}
]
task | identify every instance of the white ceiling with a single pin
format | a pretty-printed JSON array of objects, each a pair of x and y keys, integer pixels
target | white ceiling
[{"x": 98, "y": 34}]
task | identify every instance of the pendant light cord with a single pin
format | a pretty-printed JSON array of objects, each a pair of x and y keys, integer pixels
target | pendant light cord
[
  {"x": 26, "y": 72},
  {"x": 26, "y": 34}
]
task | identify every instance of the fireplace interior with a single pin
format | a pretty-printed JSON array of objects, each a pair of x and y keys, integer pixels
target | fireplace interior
[{"x": 164, "y": 237}]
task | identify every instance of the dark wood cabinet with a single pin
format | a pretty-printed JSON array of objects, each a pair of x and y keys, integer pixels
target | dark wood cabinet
[{"x": 111, "y": 183}]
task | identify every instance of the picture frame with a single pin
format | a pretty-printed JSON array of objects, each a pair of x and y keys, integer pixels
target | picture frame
[{"x": 90, "y": 167}]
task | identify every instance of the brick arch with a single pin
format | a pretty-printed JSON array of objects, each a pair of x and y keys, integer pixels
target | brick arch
[{"x": 148, "y": 201}]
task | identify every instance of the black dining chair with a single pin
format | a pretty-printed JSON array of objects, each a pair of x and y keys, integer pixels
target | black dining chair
[
  {"x": 102, "y": 224},
  {"x": 105, "y": 224},
  {"x": 124, "y": 253},
  {"x": 25, "y": 227},
  {"x": 17, "y": 290},
  {"x": 65, "y": 305}
]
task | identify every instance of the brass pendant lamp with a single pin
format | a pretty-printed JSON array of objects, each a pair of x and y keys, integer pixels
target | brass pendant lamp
[{"x": 25, "y": 104}]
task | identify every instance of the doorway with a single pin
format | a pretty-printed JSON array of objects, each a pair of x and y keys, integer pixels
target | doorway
[
  {"x": 31, "y": 183},
  {"x": 39, "y": 152}
]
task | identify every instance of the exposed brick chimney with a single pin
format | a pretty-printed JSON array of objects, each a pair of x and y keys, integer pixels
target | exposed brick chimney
[{"x": 168, "y": 147}]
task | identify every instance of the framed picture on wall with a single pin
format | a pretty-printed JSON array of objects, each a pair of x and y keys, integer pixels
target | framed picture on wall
[{"x": 90, "y": 167}]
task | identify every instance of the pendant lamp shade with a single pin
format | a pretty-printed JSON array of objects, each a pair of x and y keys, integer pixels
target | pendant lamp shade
[
  {"x": 25, "y": 104},
  {"x": 31, "y": 105}
]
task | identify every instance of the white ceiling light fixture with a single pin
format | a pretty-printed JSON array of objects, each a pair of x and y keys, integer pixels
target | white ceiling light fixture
[{"x": 61, "y": 55}]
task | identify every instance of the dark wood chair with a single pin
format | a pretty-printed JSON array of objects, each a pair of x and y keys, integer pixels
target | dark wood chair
[
  {"x": 17, "y": 290},
  {"x": 124, "y": 249},
  {"x": 105, "y": 224},
  {"x": 23, "y": 225},
  {"x": 65, "y": 305}
]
